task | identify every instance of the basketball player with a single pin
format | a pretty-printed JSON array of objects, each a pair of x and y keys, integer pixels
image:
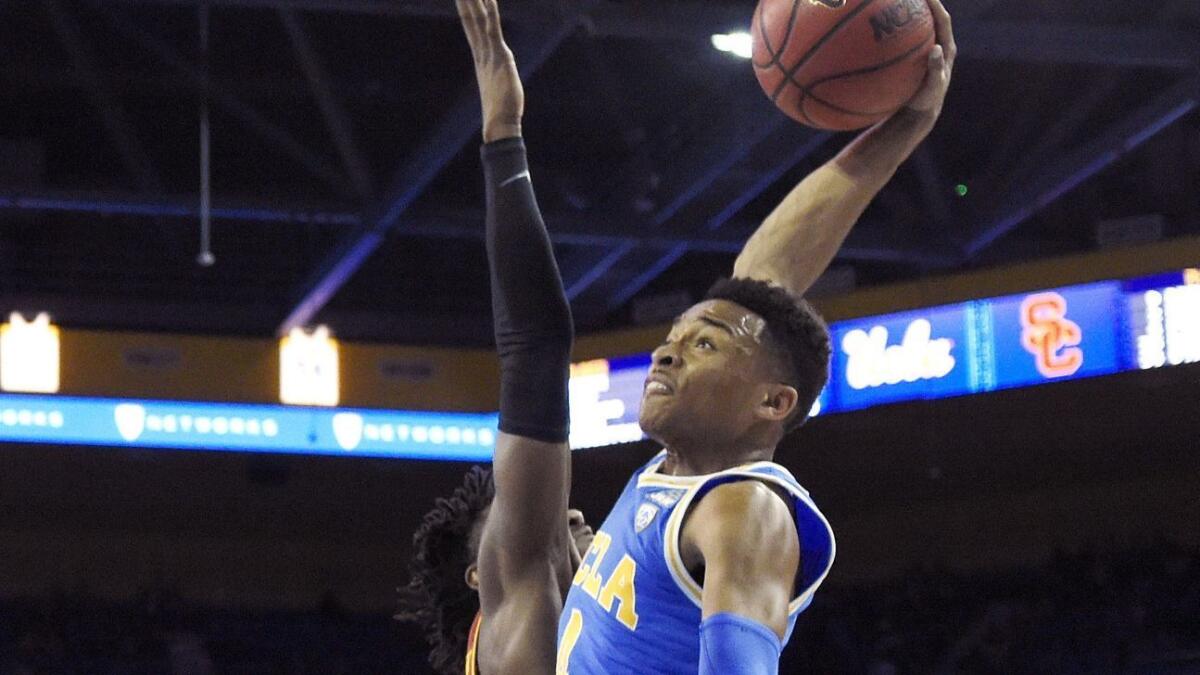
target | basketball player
[
  {"x": 494, "y": 563},
  {"x": 712, "y": 550},
  {"x": 723, "y": 546}
]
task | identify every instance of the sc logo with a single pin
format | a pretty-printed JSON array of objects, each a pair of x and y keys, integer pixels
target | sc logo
[{"x": 1050, "y": 336}]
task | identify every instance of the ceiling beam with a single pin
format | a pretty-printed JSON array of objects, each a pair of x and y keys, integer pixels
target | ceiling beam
[
  {"x": 1035, "y": 41},
  {"x": 312, "y": 162},
  {"x": 1023, "y": 41},
  {"x": 704, "y": 161},
  {"x": 180, "y": 206},
  {"x": 1027, "y": 198},
  {"x": 331, "y": 109},
  {"x": 83, "y": 59},
  {"x": 774, "y": 156},
  {"x": 452, "y": 133},
  {"x": 439, "y": 224},
  {"x": 1052, "y": 138}
]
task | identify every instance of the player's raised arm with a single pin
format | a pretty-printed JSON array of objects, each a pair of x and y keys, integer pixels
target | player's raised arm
[
  {"x": 524, "y": 540},
  {"x": 800, "y": 237}
]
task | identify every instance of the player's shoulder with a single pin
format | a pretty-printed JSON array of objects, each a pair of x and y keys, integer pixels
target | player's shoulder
[
  {"x": 733, "y": 503},
  {"x": 748, "y": 515}
]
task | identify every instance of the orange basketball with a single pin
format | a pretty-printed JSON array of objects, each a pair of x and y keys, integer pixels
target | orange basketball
[{"x": 841, "y": 64}]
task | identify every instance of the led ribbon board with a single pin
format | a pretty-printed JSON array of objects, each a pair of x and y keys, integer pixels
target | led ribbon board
[
  {"x": 246, "y": 428},
  {"x": 953, "y": 350}
]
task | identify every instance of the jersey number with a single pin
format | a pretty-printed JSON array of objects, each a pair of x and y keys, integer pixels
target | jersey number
[{"x": 569, "y": 639}]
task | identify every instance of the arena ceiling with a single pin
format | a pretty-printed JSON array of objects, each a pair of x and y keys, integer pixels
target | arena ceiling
[{"x": 346, "y": 185}]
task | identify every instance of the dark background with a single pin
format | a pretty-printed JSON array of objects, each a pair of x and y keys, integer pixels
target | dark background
[{"x": 348, "y": 127}]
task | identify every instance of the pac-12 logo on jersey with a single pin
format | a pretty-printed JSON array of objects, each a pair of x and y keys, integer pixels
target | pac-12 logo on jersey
[{"x": 645, "y": 516}]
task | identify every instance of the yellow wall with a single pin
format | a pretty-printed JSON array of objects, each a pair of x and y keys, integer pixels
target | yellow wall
[{"x": 147, "y": 365}]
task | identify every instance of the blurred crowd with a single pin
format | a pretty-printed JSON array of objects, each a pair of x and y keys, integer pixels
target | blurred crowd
[
  {"x": 76, "y": 634},
  {"x": 1128, "y": 611}
]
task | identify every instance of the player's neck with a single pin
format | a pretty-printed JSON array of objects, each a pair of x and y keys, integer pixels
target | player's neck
[{"x": 698, "y": 461}]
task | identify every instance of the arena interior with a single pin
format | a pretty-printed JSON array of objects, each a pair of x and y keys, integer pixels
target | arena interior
[{"x": 248, "y": 337}]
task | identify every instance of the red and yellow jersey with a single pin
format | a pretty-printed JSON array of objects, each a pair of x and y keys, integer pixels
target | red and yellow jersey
[{"x": 472, "y": 661}]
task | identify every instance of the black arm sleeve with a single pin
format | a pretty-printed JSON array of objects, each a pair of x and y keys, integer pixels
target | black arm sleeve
[{"x": 530, "y": 311}]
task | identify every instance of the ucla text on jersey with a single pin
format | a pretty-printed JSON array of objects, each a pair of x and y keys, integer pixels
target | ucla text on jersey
[{"x": 633, "y": 606}]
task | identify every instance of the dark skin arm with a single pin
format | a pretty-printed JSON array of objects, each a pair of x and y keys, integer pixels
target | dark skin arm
[
  {"x": 525, "y": 549},
  {"x": 523, "y": 553},
  {"x": 744, "y": 537},
  {"x": 797, "y": 241}
]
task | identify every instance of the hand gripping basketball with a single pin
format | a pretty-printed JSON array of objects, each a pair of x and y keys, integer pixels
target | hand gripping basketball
[
  {"x": 500, "y": 90},
  {"x": 932, "y": 94},
  {"x": 846, "y": 64}
]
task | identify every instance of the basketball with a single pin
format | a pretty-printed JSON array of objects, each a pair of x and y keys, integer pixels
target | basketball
[{"x": 841, "y": 64}]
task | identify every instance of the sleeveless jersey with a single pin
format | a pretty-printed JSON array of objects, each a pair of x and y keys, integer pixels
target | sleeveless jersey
[{"x": 633, "y": 607}]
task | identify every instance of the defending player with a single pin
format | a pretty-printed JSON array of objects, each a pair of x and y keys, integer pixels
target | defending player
[
  {"x": 492, "y": 568},
  {"x": 712, "y": 550}
]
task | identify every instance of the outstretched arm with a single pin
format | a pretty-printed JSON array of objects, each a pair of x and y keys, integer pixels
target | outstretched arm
[
  {"x": 525, "y": 538},
  {"x": 800, "y": 237}
]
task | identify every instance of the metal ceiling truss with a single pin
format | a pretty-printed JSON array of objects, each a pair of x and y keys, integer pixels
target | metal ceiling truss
[
  {"x": 83, "y": 60},
  {"x": 700, "y": 164},
  {"x": 111, "y": 203},
  {"x": 657, "y": 20},
  {"x": 565, "y": 229},
  {"x": 775, "y": 154},
  {"x": 452, "y": 133},
  {"x": 311, "y": 161},
  {"x": 626, "y": 263},
  {"x": 1029, "y": 197},
  {"x": 335, "y": 116}
]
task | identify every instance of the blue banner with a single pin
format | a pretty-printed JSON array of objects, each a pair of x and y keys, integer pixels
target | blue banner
[
  {"x": 246, "y": 428},
  {"x": 901, "y": 357},
  {"x": 1055, "y": 335}
]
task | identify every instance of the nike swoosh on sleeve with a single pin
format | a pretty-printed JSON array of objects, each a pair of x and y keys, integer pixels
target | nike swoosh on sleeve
[{"x": 510, "y": 181}]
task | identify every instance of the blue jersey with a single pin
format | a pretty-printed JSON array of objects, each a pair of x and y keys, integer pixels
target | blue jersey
[{"x": 633, "y": 606}]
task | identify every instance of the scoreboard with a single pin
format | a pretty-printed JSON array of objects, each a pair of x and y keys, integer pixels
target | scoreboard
[{"x": 955, "y": 350}]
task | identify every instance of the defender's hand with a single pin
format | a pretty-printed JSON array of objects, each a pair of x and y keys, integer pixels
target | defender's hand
[
  {"x": 500, "y": 89},
  {"x": 932, "y": 94}
]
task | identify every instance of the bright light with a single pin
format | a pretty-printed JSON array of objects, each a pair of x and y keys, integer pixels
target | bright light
[
  {"x": 29, "y": 355},
  {"x": 308, "y": 368},
  {"x": 739, "y": 44}
]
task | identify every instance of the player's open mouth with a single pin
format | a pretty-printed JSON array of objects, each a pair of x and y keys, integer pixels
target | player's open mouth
[{"x": 657, "y": 385}]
